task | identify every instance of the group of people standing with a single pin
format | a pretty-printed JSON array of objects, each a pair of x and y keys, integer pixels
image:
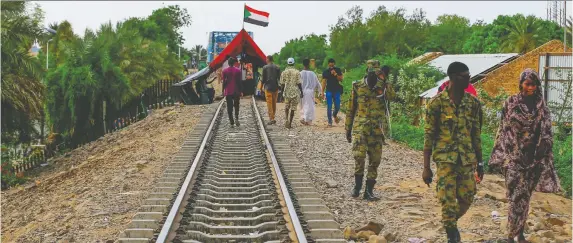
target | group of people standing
[
  {"x": 522, "y": 151},
  {"x": 301, "y": 86}
]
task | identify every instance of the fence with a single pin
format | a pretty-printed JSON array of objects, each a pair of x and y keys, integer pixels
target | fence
[
  {"x": 556, "y": 73},
  {"x": 155, "y": 97},
  {"x": 26, "y": 158}
]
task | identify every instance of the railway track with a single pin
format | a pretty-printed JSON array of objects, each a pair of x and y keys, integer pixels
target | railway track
[{"x": 232, "y": 184}]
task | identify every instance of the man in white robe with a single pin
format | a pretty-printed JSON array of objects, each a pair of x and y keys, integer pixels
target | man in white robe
[{"x": 310, "y": 84}]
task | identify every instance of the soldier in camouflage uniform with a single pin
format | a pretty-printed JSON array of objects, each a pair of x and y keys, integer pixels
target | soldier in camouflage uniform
[
  {"x": 452, "y": 140},
  {"x": 366, "y": 111}
]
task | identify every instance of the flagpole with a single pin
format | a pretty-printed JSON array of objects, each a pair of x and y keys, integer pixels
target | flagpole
[{"x": 244, "y": 6}]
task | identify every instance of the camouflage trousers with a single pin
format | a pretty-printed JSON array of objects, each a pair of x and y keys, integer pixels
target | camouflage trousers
[
  {"x": 367, "y": 144},
  {"x": 455, "y": 189}
]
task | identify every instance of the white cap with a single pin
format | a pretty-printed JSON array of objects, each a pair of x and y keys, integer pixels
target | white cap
[{"x": 290, "y": 60}]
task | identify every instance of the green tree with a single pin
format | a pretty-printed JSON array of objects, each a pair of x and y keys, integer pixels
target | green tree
[
  {"x": 347, "y": 38},
  {"x": 476, "y": 41},
  {"x": 449, "y": 34},
  {"x": 168, "y": 21},
  {"x": 524, "y": 35},
  {"x": 199, "y": 52},
  {"x": 112, "y": 65},
  {"x": 22, "y": 90},
  {"x": 309, "y": 46},
  {"x": 488, "y": 38},
  {"x": 413, "y": 80}
]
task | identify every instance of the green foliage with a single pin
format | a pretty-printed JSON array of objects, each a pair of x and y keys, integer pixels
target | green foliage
[
  {"x": 163, "y": 26},
  {"x": 492, "y": 106},
  {"x": 310, "y": 46},
  {"x": 562, "y": 160},
  {"x": 408, "y": 134},
  {"x": 393, "y": 61},
  {"x": 22, "y": 90},
  {"x": 199, "y": 52},
  {"x": 412, "y": 81},
  {"x": 8, "y": 177},
  {"x": 113, "y": 64},
  {"x": 353, "y": 39},
  {"x": 449, "y": 34},
  {"x": 524, "y": 35},
  {"x": 356, "y": 37}
]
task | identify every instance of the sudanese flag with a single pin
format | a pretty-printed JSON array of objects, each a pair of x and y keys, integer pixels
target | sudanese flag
[{"x": 256, "y": 17}]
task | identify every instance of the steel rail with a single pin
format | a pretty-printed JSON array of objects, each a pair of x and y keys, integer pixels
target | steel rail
[
  {"x": 166, "y": 229},
  {"x": 288, "y": 201}
]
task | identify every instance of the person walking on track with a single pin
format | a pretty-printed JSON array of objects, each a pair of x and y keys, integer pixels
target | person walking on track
[
  {"x": 310, "y": 84},
  {"x": 452, "y": 140},
  {"x": 232, "y": 87},
  {"x": 331, "y": 79},
  {"x": 292, "y": 90},
  {"x": 270, "y": 82},
  {"x": 523, "y": 151},
  {"x": 364, "y": 129}
]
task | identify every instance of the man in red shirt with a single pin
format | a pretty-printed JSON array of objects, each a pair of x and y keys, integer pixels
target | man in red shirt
[
  {"x": 470, "y": 89},
  {"x": 232, "y": 87}
]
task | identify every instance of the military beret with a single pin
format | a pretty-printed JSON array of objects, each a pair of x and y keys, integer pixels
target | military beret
[{"x": 373, "y": 66}]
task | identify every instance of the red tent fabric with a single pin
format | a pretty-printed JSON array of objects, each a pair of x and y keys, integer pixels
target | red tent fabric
[
  {"x": 470, "y": 89},
  {"x": 242, "y": 43}
]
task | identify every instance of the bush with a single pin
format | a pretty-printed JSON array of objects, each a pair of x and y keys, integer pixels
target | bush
[
  {"x": 410, "y": 135},
  {"x": 412, "y": 81},
  {"x": 413, "y": 136},
  {"x": 9, "y": 178},
  {"x": 492, "y": 106},
  {"x": 562, "y": 160}
]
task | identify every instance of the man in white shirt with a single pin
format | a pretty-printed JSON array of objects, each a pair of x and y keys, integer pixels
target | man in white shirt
[{"x": 310, "y": 84}]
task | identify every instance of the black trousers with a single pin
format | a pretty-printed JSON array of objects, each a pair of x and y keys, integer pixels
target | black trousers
[
  {"x": 211, "y": 96},
  {"x": 233, "y": 102}
]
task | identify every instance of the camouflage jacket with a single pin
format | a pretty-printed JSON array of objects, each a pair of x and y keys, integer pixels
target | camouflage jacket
[
  {"x": 452, "y": 131},
  {"x": 367, "y": 106},
  {"x": 291, "y": 78}
]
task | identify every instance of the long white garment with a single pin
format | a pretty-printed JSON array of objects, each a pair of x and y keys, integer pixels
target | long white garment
[{"x": 310, "y": 84}]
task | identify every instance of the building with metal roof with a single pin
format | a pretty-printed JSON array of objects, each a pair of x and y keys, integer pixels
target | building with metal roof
[
  {"x": 506, "y": 78},
  {"x": 479, "y": 65}
]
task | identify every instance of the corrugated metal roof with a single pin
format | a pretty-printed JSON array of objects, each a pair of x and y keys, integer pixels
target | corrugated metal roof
[
  {"x": 194, "y": 76},
  {"x": 477, "y": 63},
  {"x": 426, "y": 57}
]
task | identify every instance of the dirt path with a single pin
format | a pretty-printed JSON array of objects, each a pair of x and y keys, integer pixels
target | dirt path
[
  {"x": 90, "y": 194},
  {"x": 408, "y": 207}
]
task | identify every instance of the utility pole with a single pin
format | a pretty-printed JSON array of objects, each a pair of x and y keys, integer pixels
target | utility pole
[{"x": 565, "y": 26}]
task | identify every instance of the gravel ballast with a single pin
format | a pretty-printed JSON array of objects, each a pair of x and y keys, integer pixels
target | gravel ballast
[{"x": 408, "y": 208}]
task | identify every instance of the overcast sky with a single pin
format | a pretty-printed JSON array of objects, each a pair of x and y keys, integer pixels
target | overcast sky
[{"x": 288, "y": 20}]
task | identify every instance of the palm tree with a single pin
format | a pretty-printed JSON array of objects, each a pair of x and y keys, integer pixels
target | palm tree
[
  {"x": 199, "y": 52},
  {"x": 112, "y": 65},
  {"x": 523, "y": 35},
  {"x": 22, "y": 90}
]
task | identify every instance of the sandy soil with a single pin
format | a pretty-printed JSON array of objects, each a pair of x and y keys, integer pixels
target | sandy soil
[
  {"x": 92, "y": 193},
  {"x": 408, "y": 207}
]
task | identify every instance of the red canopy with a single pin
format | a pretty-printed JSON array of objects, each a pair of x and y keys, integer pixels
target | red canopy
[{"x": 242, "y": 43}]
